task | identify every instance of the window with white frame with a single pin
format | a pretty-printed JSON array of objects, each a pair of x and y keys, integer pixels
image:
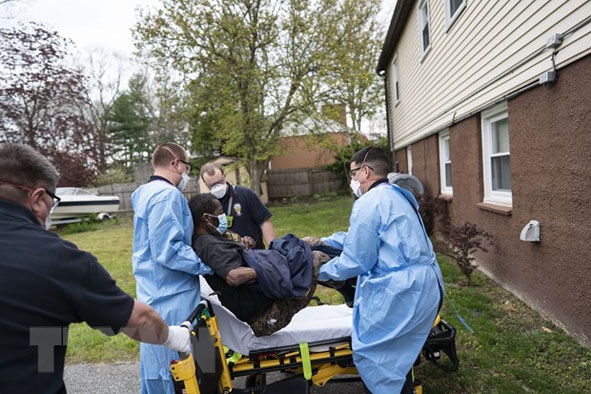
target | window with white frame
[
  {"x": 409, "y": 159},
  {"x": 423, "y": 13},
  {"x": 453, "y": 8},
  {"x": 496, "y": 156},
  {"x": 445, "y": 163},
  {"x": 395, "y": 81}
]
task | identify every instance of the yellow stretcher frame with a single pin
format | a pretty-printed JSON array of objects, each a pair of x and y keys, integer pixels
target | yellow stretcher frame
[{"x": 306, "y": 367}]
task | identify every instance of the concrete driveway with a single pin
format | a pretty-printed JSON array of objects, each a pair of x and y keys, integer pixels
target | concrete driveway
[{"x": 124, "y": 378}]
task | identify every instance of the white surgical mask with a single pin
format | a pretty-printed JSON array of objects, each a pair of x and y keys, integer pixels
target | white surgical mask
[
  {"x": 48, "y": 222},
  {"x": 219, "y": 190},
  {"x": 184, "y": 181},
  {"x": 356, "y": 187}
]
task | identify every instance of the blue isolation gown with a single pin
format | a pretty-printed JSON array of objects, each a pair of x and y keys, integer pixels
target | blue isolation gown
[
  {"x": 399, "y": 284},
  {"x": 166, "y": 270}
]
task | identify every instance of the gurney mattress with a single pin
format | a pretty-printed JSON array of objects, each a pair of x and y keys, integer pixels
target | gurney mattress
[{"x": 311, "y": 324}]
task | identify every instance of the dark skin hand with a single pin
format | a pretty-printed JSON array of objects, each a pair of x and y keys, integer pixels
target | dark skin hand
[
  {"x": 237, "y": 276},
  {"x": 248, "y": 242}
]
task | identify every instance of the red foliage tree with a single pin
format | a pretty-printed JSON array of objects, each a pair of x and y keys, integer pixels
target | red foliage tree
[{"x": 43, "y": 102}]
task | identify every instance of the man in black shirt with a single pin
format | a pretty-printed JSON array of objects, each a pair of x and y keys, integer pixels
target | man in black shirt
[
  {"x": 246, "y": 213},
  {"x": 47, "y": 283}
]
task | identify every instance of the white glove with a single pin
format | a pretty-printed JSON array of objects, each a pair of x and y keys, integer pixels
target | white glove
[{"x": 179, "y": 338}]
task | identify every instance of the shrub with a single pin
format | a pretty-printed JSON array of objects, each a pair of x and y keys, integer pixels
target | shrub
[
  {"x": 112, "y": 176},
  {"x": 462, "y": 242}
]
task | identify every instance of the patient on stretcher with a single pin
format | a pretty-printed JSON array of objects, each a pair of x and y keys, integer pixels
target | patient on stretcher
[{"x": 264, "y": 288}]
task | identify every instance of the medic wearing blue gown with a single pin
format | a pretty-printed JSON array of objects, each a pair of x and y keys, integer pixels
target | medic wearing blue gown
[
  {"x": 165, "y": 266},
  {"x": 399, "y": 283}
]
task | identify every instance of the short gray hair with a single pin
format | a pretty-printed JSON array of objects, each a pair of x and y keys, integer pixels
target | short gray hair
[{"x": 25, "y": 166}]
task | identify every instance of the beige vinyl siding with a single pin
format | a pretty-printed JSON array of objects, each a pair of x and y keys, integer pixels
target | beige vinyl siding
[{"x": 467, "y": 67}]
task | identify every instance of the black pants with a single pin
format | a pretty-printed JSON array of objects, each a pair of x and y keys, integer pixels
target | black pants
[{"x": 408, "y": 387}]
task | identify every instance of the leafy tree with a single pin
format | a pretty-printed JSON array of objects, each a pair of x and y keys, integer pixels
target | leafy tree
[
  {"x": 43, "y": 101},
  {"x": 129, "y": 123},
  {"x": 354, "y": 42},
  {"x": 166, "y": 110},
  {"x": 251, "y": 66},
  {"x": 343, "y": 155}
]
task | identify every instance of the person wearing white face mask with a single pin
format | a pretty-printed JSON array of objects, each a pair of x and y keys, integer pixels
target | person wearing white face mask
[
  {"x": 399, "y": 285},
  {"x": 46, "y": 283},
  {"x": 165, "y": 267},
  {"x": 246, "y": 213}
]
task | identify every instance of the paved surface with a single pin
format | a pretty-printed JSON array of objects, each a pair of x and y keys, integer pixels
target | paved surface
[{"x": 124, "y": 378}]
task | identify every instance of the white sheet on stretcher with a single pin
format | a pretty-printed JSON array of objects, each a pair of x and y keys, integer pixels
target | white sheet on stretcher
[{"x": 311, "y": 324}]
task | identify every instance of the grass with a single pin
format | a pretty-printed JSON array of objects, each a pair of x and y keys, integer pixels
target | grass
[{"x": 512, "y": 350}]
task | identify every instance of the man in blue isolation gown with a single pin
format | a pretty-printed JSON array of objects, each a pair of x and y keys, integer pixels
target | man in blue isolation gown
[
  {"x": 165, "y": 267},
  {"x": 399, "y": 283}
]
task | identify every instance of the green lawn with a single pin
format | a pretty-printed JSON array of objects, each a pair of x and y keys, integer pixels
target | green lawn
[{"x": 512, "y": 350}]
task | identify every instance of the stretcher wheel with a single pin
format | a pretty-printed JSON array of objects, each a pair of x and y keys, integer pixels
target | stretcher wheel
[{"x": 257, "y": 380}]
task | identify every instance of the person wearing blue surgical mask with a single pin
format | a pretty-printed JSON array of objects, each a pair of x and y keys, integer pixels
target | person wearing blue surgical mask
[
  {"x": 222, "y": 225},
  {"x": 165, "y": 267},
  {"x": 241, "y": 277},
  {"x": 399, "y": 285}
]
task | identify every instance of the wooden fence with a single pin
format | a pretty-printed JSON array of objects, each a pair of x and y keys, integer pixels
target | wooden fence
[
  {"x": 301, "y": 182},
  {"x": 124, "y": 191},
  {"x": 289, "y": 183}
]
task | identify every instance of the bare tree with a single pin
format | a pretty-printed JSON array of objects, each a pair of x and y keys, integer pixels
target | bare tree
[{"x": 106, "y": 72}]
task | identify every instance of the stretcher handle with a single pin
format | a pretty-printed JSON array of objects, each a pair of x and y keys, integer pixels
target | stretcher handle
[{"x": 203, "y": 305}]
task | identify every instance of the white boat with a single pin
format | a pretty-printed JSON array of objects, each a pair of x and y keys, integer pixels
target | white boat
[{"x": 78, "y": 204}]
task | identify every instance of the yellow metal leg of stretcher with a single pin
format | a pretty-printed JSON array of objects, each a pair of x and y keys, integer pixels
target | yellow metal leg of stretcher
[
  {"x": 329, "y": 371},
  {"x": 184, "y": 371},
  {"x": 225, "y": 383}
]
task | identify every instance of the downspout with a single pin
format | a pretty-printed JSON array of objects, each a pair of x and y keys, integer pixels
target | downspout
[{"x": 384, "y": 75}]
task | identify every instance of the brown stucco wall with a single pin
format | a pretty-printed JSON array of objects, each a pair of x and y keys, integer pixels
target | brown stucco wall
[
  {"x": 550, "y": 133},
  {"x": 550, "y": 142},
  {"x": 401, "y": 161},
  {"x": 425, "y": 163}
]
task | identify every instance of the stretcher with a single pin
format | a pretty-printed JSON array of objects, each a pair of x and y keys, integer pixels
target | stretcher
[{"x": 313, "y": 349}]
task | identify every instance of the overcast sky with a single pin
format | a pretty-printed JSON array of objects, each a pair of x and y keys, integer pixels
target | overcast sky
[
  {"x": 96, "y": 23},
  {"x": 89, "y": 23},
  {"x": 106, "y": 24}
]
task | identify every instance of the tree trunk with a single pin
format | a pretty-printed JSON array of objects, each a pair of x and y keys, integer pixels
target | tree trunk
[{"x": 256, "y": 170}]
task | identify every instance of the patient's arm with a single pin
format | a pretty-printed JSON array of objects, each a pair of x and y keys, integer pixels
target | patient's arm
[{"x": 241, "y": 276}]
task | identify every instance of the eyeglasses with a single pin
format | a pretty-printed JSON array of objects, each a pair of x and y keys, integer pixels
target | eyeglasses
[
  {"x": 354, "y": 170},
  {"x": 220, "y": 182},
  {"x": 179, "y": 159},
  {"x": 185, "y": 163},
  {"x": 56, "y": 199}
]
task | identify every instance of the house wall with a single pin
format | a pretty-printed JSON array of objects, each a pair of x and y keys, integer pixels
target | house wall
[
  {"x": 401, "y": 161},
  {"x": 492, "y": 49},
  {"x": 550, "y": 143},
  {"x": 425, "y": 163},
  {"x": 306, "y": 151}
]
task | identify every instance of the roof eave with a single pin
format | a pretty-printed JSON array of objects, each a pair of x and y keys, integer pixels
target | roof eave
[{"x": 401, "y": 12}]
